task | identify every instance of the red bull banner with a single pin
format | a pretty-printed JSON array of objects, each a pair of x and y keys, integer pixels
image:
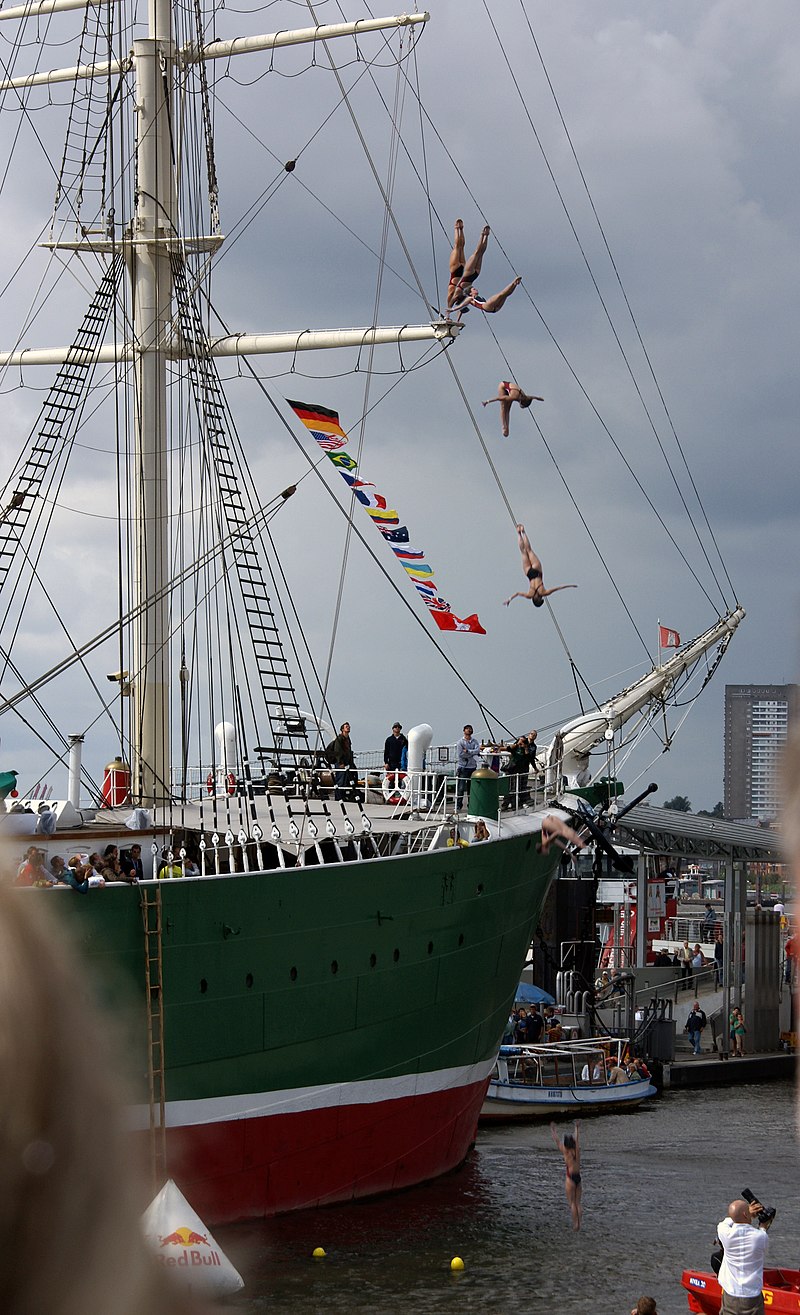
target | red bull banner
[{"x": 323, "y": 425}]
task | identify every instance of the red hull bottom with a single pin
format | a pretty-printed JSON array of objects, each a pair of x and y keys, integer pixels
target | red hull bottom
[{"x": 250, "y": 1168}]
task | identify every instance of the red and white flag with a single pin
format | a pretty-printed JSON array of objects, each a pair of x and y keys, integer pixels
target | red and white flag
[{"x": 668, "y": 638}]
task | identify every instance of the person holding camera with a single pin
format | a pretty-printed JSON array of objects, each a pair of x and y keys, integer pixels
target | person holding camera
[{"x": 743, "y": 1237}]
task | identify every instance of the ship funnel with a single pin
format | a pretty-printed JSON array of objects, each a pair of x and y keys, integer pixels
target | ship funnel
[
  {"x": 225, "y": 737},
  {"x": 419, "y": 741}
]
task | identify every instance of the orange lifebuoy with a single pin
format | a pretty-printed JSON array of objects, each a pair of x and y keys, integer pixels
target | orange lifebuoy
[
  {"x": 210, "y": 782},
  {"x": 230, "y": 781},
  {"x": 394, "y": 787}
]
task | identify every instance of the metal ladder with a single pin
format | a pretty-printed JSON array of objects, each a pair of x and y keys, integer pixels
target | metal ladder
[
  {"x": 57, "y": 421},
  {"x": 156, "y": 1077},
  {"x": 273, "y": 669}
]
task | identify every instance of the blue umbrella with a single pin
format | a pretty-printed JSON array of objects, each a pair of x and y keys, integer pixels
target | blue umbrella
[{"x": 527, "y": 994}]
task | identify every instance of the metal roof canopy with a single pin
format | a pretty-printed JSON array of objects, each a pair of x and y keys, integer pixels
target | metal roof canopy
[{"x": 665, "y": 831}]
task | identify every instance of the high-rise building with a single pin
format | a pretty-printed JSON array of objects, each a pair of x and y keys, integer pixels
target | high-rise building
[{"x": 757, "y": 719}]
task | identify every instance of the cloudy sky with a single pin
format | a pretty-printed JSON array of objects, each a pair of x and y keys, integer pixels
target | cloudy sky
[{"x": 675, "y": 127}]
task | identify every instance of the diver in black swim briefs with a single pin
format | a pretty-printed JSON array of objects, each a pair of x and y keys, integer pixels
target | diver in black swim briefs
[
  {"x": 464, "y": 273},
  {"x": 533, "y": 572},
  {"x": 570, "y": 1147}
]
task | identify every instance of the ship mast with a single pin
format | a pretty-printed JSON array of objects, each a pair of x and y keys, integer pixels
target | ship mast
[
  {"x": 153, "y": 229},
  {"x": 151, "y": 240}
]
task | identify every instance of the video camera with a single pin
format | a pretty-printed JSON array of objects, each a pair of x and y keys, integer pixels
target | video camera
[{"x": 766, "y": 1214}]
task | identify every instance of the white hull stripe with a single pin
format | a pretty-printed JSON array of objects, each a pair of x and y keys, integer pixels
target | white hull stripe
[{"x": 221, "y": 1109}]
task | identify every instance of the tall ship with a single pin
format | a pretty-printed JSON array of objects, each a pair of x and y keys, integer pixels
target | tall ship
[{"x": 322, "y": 971}]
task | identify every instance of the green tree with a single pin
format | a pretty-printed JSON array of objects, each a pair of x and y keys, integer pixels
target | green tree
[
  {"x": 680, "y": 804},
  {"x": 716, "y": 811}
]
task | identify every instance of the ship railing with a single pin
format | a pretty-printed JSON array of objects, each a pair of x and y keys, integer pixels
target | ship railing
[
  {"x": 691, "y": 928},
  {"x": 563, "y": 1063}
]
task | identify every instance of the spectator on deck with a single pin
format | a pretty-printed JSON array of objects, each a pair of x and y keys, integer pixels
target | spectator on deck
[
  {"x": 467, "y": 759},
  {"x": 518, "y": 768},
  {"x": 481, "y": 832},
  {"x": 393, "y": 749},
  {"x": 709, "y": 923},
  {"x": 341, "y": 758},
  {"x": 131, "y": 864}
]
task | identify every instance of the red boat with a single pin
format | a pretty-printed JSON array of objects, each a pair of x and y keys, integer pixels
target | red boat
[{"x": 781, "y": 1291}]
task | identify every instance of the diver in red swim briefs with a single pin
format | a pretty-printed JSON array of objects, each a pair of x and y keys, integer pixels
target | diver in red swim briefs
[
  {"x": 570, "y": 1147},
  {"x": 533, "y": 572},
  {"x": 506, "y": 394}
]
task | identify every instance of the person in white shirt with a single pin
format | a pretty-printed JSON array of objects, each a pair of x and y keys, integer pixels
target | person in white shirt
[{"x": 741, "y": 1274}]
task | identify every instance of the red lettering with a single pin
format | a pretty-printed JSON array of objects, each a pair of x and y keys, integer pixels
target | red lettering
[{"x": 197, "y": 1259}]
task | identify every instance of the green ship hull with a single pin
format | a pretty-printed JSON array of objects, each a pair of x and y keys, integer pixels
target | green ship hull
[{"x": 328, "y": 1032}]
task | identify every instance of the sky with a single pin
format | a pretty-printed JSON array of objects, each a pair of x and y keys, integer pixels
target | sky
[{"x": 636, "y": 164}]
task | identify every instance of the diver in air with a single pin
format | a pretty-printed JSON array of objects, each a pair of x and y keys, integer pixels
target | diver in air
[
  {"x": 506, "y": 394},
  {"x": 489, "y": 305},
  {"x": 463, "y": 274},
  {"x": 532, "y": 568}
]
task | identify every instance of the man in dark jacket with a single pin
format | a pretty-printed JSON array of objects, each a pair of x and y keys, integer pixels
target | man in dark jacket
[
  {"x": 340, "y": 757},
  {"x": 694, "y": 1026},
  {"x": 393, "y": 749}
]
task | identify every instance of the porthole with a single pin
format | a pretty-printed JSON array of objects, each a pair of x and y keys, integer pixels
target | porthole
[
  {"x": 334, "y": 966},
  {"x": 396, "y": 956},
  {"x": 248, "y": 981},
  {"x": 293, "y": 974},
  {"x": 430, "y": 947},
  {"x": 373, "y": 959},
  {"x": 203, "y": 986},
  {"x": 461, "y": 940}
]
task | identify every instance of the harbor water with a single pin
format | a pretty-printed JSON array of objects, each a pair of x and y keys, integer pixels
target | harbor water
[{"x": 656, "y": 1181}]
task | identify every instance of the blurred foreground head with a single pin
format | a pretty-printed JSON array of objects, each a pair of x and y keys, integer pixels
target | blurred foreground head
[{"x": 71, "y": 1194}]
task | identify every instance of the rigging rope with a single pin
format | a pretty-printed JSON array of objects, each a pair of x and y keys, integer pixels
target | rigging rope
[
  {"x": 600, "y": 296},
  {"x": 629, "y": 307}
]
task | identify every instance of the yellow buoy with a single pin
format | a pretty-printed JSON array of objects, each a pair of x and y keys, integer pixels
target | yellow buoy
[
  {"x": 456, "y": 1263},
  {"x": 318, "y": 1253}
]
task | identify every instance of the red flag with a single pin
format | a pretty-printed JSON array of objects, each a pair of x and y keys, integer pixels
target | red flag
[
  {"x": 668, "y": 638},
  {"x": 447, "y": 621}
]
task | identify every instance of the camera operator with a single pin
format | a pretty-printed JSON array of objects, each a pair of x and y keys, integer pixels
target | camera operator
[{"x": 741, "y": 1274}]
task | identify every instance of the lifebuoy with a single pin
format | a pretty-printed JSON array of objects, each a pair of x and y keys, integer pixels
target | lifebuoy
[
  {"x": 395, "y": 788},
  {"x": 210, "y": 782}
]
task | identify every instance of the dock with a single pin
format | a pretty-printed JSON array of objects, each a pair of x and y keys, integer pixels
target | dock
[{"x": 711, "y": 1070}]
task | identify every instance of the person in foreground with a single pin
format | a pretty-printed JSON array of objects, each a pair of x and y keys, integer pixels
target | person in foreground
[
  {"x": 570, "y": 1147},
  {"x": 741, "y": 1274},
  {"x": 645, "y": 1306},
  {"x": 532, "y": 569},
  {"x": 71, "y": 1189}
]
